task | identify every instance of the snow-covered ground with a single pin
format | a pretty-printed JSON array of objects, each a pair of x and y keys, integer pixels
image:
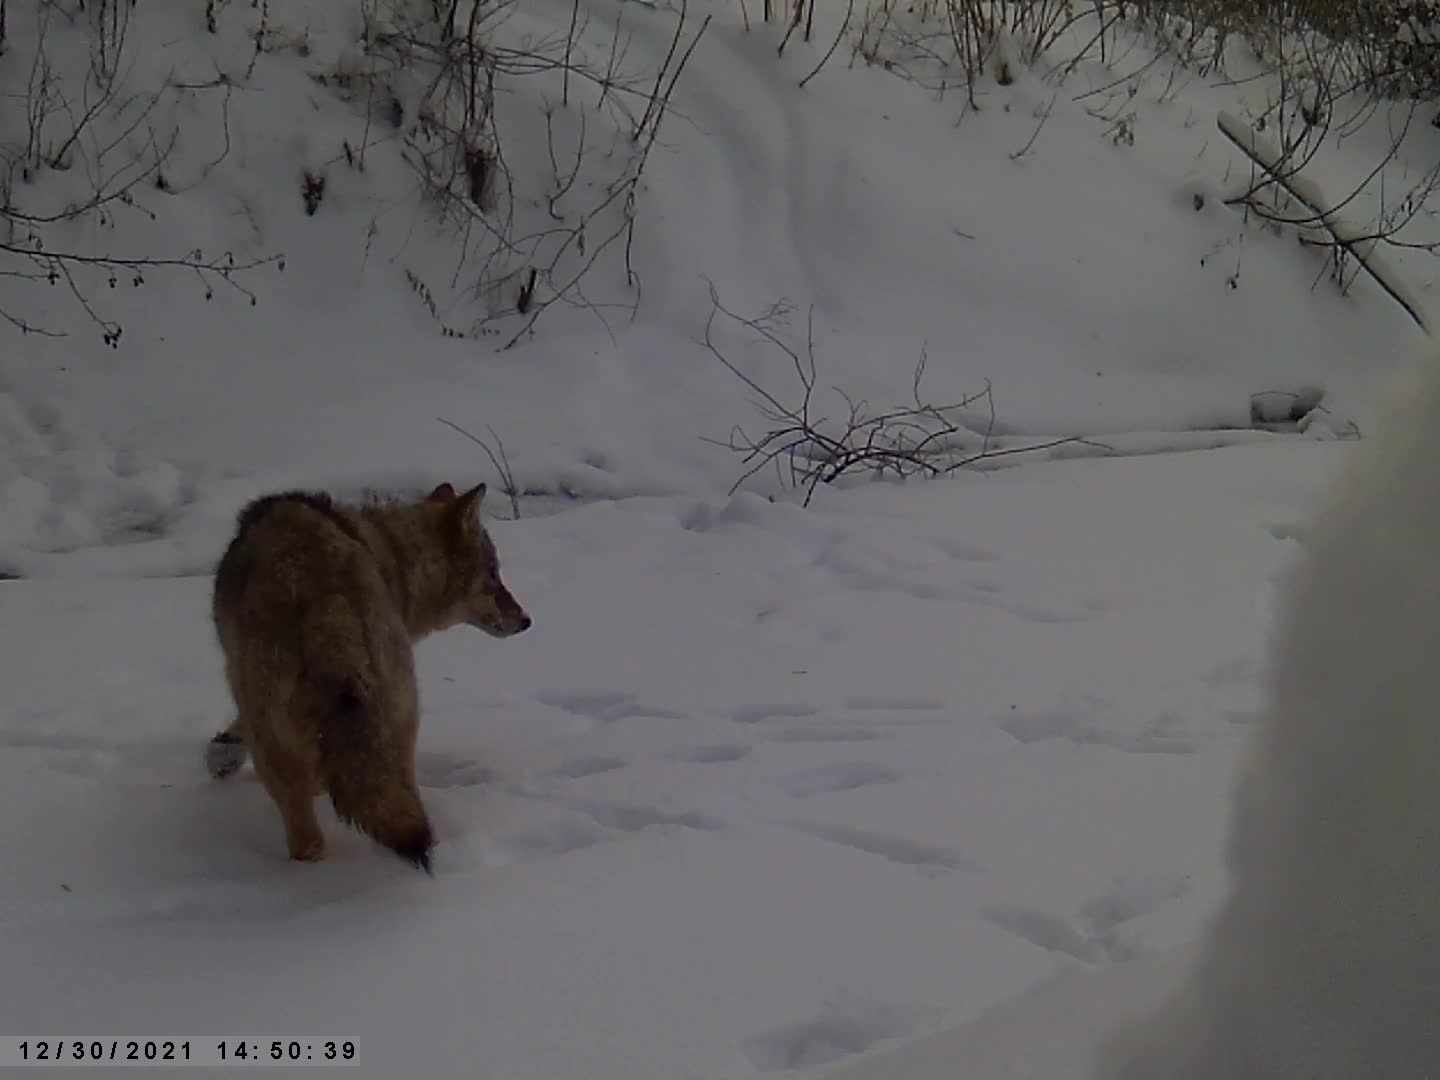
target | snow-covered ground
[{"x": 767, "y": 789}]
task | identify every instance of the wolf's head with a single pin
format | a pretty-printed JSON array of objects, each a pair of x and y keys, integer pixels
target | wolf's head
[{"x": 477, "y": 594}]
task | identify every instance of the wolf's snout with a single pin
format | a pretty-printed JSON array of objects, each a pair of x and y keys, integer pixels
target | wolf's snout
[{"x": 516, "y": 618}]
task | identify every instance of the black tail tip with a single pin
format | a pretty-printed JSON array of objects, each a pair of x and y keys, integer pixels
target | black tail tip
[{"x": 415, "y": 848}]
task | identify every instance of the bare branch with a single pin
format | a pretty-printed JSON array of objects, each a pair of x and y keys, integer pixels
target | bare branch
[
  {"x": 839, "y": 36},
  {"x": 498, "y": 458}
]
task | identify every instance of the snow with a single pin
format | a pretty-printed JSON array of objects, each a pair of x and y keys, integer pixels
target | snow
[
  {"x": 1042, "y": 1035},
  {"x": 843, "y": 770},
  {"x": 1321, "y": 961},
  {"x": 925, "y": 775}
]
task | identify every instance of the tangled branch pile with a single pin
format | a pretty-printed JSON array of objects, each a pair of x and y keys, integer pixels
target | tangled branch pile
[{"x": 808, "y": 448}]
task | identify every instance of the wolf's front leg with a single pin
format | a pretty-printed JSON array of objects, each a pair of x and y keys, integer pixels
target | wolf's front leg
[{"x": 226, "y": 752}]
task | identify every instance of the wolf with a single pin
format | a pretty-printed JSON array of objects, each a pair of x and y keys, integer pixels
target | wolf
[
  {"x": 1323, "y": 961},
  {"x": 317, "y": 604}
]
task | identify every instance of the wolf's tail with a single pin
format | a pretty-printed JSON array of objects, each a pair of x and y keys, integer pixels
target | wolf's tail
[
  {"x": 370, "y": 784},
  {"x": 369, "y": 775}
]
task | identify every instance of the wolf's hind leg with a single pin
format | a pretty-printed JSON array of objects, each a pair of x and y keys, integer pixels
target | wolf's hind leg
[
  {"x": 293, "y": 784},
  {"x": 226, "y": 751}
]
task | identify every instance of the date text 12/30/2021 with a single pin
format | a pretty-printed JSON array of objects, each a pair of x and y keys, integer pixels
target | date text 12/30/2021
[{"x": 152, "y": 1050}]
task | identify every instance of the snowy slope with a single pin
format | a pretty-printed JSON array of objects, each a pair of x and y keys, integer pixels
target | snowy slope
[
  {"x": 1079, "y": 280},
  {"x": 765, "y": 788}
]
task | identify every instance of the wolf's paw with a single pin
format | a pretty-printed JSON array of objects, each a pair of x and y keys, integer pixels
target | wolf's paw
[
  {"x": 308, "y": 849},
  {"x": 224, "y": 754}
]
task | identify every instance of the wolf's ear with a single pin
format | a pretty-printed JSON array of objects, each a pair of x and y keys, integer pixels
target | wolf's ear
[
  {"x": 443, "y": 493},
  {"x": 469, "y": 503}
]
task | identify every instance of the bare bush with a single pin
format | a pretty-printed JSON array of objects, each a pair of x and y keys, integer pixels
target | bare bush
[
  {"x": 808, "y": 448},
  {"x": 437, "y": 70},
  {"x": 437, "y": 83},
  {"x": 1333, "y": 67},
  {"x": 105, "y": 142},
  {"x": 1390, "y": 48},
  {"x": 943, "y": 44},
  {"x": 1324, "y": 90}
]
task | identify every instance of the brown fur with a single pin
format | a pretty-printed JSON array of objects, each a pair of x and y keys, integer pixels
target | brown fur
[{"x": 317, "y": 605}]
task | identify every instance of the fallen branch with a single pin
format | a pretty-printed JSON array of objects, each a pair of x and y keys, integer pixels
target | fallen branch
[{"x": 1358, "y": 243}]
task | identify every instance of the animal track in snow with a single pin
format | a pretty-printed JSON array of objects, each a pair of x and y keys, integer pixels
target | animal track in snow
[
  {"x": 896, "y": 704},
  {"x": 1127, "y": 900},
  {"x": 1092, "y": 937},
  {"x": 439, "y": 771},
  {"x": 625, "y": 818},
  {"x": 711, "y": 755},
  {"x": 826, "y": 735},
  {"x": 158, "y": 762},
  {"x": 1085, "y": 611},
  {"x": 759, "y": 714},
  {"x": 876, "y": 573},
  {"x": 604, "y": 706},
  {"x": 1079, "y": 724},
  {"x": 891, "y": 848},
  {"x": 1066, "y": 721},
  {"x": 628, "y": 817},
  {"x": 832, "y": 778},
  {"x": 591, "y": 822},
  {"x": 824, "y": 1040},
  {"x": 964, "y": 552},
  {"x": 591, "y": 765},
  {"x": 1044, "y": 931},
  {"x": 555, "y": 838},
  {"x": 84, "y": 764},
  {"x": 215, "y": 898},
  {"x": 23, "y": 740}
]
